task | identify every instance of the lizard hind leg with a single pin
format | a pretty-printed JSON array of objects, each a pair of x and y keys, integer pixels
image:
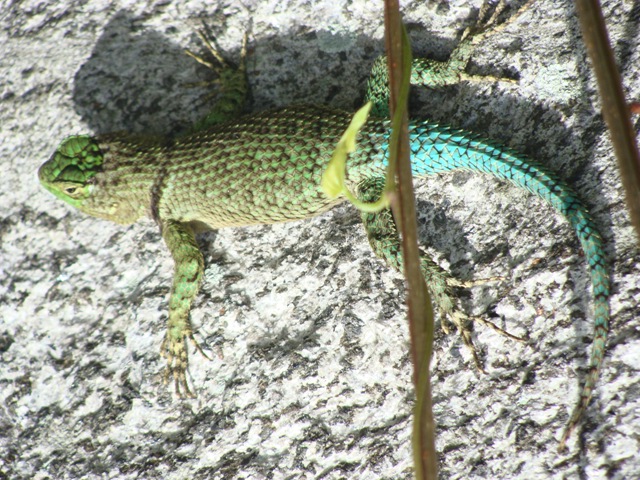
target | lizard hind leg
[
  {"x": 430, "y": 73},
  {"x": 452, "y": 71},
  {"x": 384, "y": 240},
  {"x": 488, "y": 23}
]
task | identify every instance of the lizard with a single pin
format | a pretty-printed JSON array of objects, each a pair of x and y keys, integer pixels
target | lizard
[{"x": 234, "y": 169}]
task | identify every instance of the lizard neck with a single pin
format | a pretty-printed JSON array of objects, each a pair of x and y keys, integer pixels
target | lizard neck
[{"x": 132, "y": 166}]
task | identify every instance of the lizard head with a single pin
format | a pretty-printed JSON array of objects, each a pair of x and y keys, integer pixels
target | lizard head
[
  {"x": 76, "y": 172},
  {"x": 69, "y": 173}
]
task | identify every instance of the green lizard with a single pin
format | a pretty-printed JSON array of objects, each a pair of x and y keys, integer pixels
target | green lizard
[{"x": 266, "y": 167}]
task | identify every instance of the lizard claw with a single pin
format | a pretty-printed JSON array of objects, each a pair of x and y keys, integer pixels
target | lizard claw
[
  {"x": 496, "y": 328},
  {"x": 221, "y": 66},
  {"x": 175, "y": 351},
  {"x": 222, "y": 63},
  {"x": 486, "y": 26},
  {"x": 231, "y": 82},
  {"x": 487, "y": 23},
  {"x": 461, "y": 321},
  {"x": 454, "y": 282}
]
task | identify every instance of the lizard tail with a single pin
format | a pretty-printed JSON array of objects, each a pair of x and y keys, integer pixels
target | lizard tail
[{"x": 436, "y": 150}]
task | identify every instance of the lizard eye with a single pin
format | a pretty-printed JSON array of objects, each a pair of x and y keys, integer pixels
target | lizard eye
[{"x": 74, "y": 190}]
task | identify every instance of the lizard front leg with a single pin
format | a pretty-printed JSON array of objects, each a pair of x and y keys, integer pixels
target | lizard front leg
[
  {"x": 231, "y": 81},
  {"x": 189, "y": 268}
]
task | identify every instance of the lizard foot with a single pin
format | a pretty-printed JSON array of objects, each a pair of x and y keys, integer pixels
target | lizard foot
[
  {"x": 227, "y": 75},
  {"x": 487, "y": 23},
  {"x": 486, "y": 26},
  {"x": 175, "y": 351},
  {"x": 454, "y": 282},
  {"x": 461, "y": 321},
  {"x": 231, "y": 84}
]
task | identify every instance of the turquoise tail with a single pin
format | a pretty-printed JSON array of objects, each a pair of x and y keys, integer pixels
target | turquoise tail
[{"x": 437, "y": 149}]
